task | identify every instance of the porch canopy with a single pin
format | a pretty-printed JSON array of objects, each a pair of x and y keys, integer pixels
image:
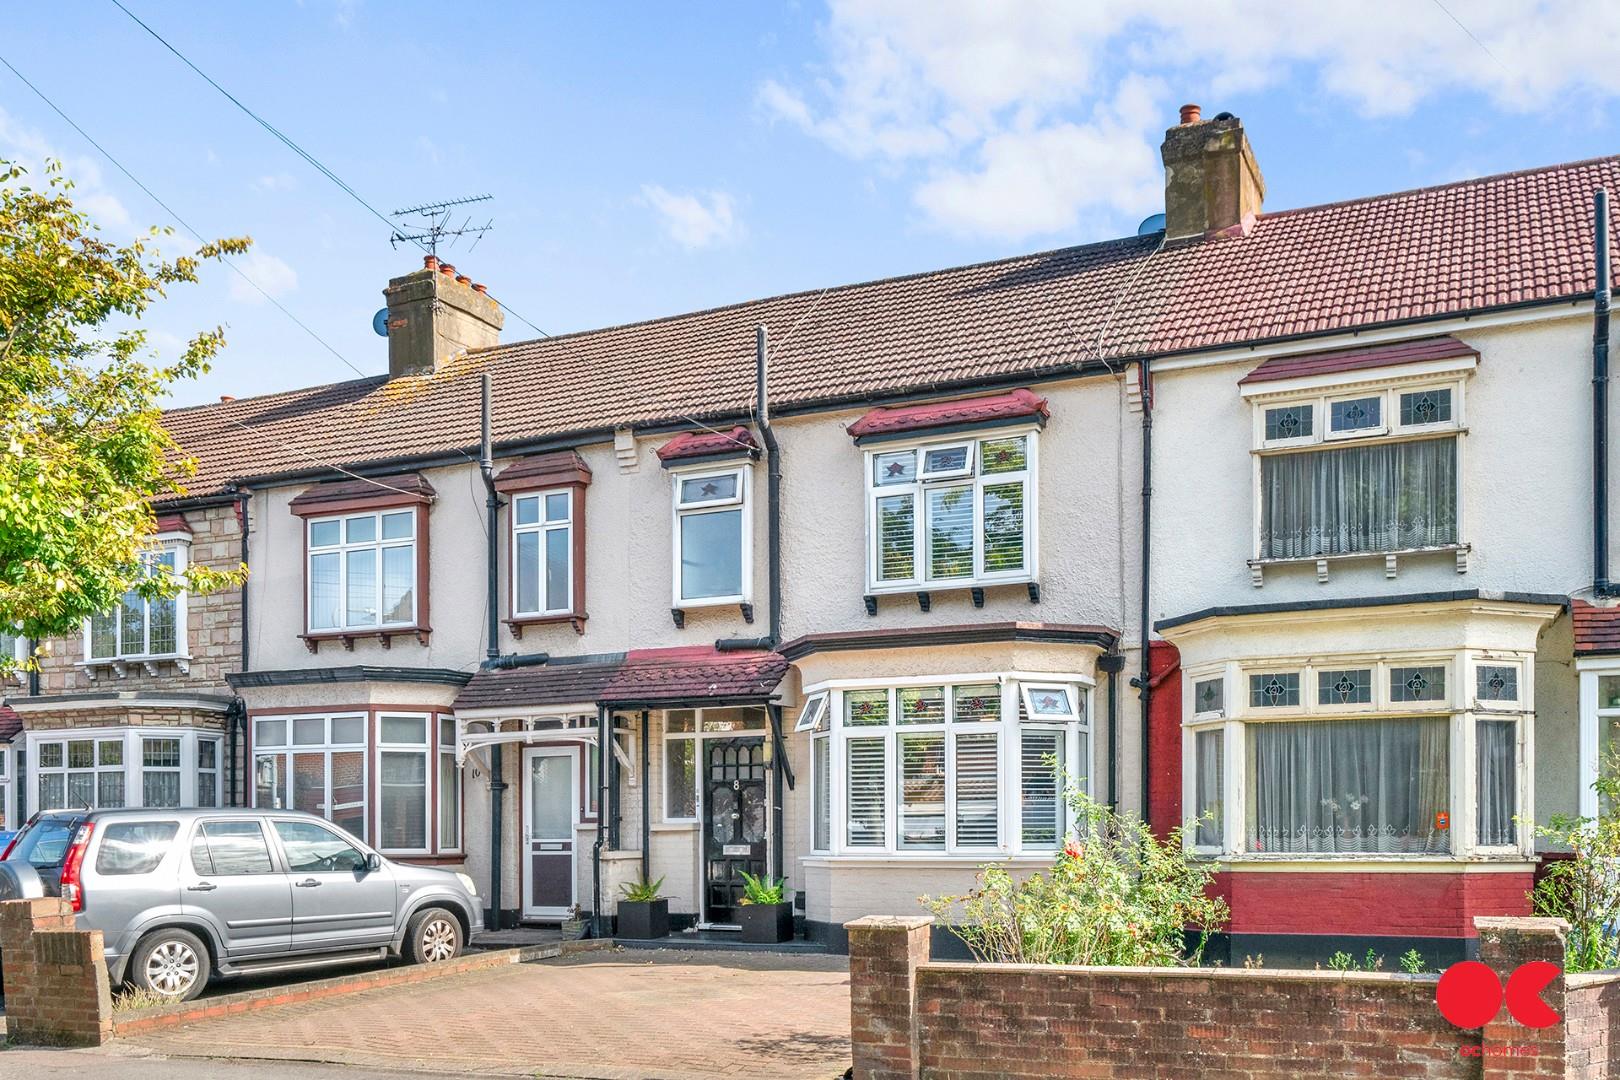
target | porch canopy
[{"x": 555, "y": 699}]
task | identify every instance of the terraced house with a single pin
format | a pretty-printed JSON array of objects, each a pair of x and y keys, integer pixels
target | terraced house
[{"x": 1284, "y": 524}]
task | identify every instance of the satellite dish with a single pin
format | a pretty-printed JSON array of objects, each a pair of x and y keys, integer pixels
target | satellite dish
[
  {"x": 379, "y": 322},
  {"x": 1150, "y": 225}
]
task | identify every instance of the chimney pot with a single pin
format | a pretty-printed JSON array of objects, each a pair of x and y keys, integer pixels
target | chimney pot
[
  {"x": 447, "y": 269},
  {"x": 1191, "y": 114},
  {"x": 226, "y": 399},
  {"x": 463, "y": 279},
  {"x": 479, "y": 288},
  {"x": 430, "y": 262}
]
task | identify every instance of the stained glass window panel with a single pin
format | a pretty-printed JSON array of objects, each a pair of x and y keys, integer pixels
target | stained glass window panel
[
  {"x": 866, "y": 707},
  {"x": 1426, "y": 407},
  {"x": 896, "y": 468},
  {"x": 1349, "y": 687},
  {"x": 1417, "y": 684},
  {"x": 1496, "y": 682},
  {"x": 1209, "y": 695},
  {"x": 976, "y": 703},
  {"x": 1290, "y": 422},
  {"x": 922, "y": 705},
  {"x": 1357, "y": 414},
  {"x": 1274, "y": 690}
]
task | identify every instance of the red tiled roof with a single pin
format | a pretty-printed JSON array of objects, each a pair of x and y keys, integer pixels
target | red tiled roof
[
  {"x": 640, "y": 677},
  {"x": 1519, "y": 238},
  {"x": 544, "y": 470},
  {"x": 1013, "y": 405},
  {"x": 1597, "y": 629},
  {"x": 703, "y": 444},
  {"x": 10, "y": 723},
  {"x": 1444, "y": 347},
  {"x": 406, "y": 487}
]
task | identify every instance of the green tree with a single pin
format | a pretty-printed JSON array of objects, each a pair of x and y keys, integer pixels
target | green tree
[{"x": 83, "y": 452}]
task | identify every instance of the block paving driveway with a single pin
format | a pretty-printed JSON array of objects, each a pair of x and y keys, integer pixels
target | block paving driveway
[{"x": 619, "y": 1015}]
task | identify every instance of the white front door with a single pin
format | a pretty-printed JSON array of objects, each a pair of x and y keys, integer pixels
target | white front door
[{"x": 551, "y": 810}]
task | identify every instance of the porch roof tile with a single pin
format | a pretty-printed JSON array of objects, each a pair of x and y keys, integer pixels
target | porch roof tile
[
  {"x": 10, "y": 724},
  {"x": 640, "y": 677},
  {"x": 1597, "y": 629},
  {"x": 1444, "y": 347}
]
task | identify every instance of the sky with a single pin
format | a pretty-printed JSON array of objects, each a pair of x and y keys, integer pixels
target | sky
[{"x": 647, "y": 159}]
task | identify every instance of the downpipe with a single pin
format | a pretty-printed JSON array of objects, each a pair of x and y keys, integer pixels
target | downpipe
[
  {"x": 1601, "y": 586},
  {"x": 492, "y": 652}
]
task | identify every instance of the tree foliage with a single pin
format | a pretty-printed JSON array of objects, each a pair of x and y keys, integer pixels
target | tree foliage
[{"x": 83, "y": 453}]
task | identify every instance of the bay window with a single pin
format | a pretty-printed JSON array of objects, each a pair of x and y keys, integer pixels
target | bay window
[
  {"x": 403, "y": 779},
  {"x": 958, "y": 512},
  {"x": 971, "y": 766},
  {"x": 316, "y": 764},
  {"x": 713, "y": 532},
  {"x": 138, "y": 628},
  {"x": 107, "y": 768},
  {"x": 362, "y": 571},
  {"x": 1349, "y": 756}
]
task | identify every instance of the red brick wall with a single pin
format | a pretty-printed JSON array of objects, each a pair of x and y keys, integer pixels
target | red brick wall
[
  {"x": 1399, "y": 905},
  {"x": 1164, "y": 738},
  {"x": 55, "y": 980}
]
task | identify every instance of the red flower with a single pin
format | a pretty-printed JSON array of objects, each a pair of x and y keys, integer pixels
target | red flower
[{"x": 1072, "y": 848}]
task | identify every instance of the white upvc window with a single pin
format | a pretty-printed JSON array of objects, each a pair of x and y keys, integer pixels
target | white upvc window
[
  {"x": 543, "y": 553},
  {"x": 957, "y": 512},
  {"x": 107, "y": 768},
  {"x": 449, "y": 787},
  {"x": 208, "y": 771},
  {"x": 138, "y": 628},
  {"x": 713, "y": 536},
  {"x": 314, "y": 763},
  {"x": 362, "y": 570},
  {"x": 1359, "y": 755},
  {"x": 403, "y": 803},
  {"x": 1359, "y": 468},
  {"x": 8, "y": 822},
  {"x": 968, "y": 765}
]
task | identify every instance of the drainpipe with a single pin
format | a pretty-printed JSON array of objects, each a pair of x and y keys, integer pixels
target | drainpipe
[
  {"x": 773, "y": 485},
  {"x": 646, "y": 806},
  {"x": 1600, "y": 398},
  {"x": 492, "y": 651},
  {"x": 598, "y": 923},
  {"x": 1144, "y": 680},
  {"x": 236, "y": 717}
]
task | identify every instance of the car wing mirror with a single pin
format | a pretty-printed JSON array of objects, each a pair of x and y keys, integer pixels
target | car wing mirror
[{"x": 373, "y": 862}]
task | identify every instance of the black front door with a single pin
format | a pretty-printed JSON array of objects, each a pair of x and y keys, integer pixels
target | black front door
[{"x": 735, "y": 821}]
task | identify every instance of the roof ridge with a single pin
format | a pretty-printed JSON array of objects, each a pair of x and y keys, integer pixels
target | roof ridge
[
  {"x": 274, "y": 394},
  {"x": 1447, "y": 185}
]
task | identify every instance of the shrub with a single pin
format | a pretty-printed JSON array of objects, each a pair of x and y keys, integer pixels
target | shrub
[
  {"x": 643, "y": 891},
  {"x": 762, "y": 890},
  {"x": 1585, "y": 888},
  {"x": 1116, "y": 895}
]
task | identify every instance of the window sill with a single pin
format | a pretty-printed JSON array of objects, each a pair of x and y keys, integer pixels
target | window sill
[
  {"x": 384, "y": 635},
  {"x": 443, "y": 858},
  {"x": 1305, "y": 862},
  {"x": 678, "y": 613},
  {"x": 674, "y": 826},
  {"x": 121, "y": 665},
  {"x": 519, "y": 623},
  {"x": 924, "y": 592},
  {"x": 960, "y": 860},
  {"x": 1257, "y": 567}
]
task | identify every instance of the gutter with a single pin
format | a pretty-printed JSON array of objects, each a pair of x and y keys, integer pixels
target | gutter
[
  {"x": 492, "y": 651},
  {"x": 1601, "y": 586}
]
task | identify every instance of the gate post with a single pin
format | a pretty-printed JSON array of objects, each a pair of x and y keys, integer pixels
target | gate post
[
  {"x": 55, "y": 977},
  {"x": 884, "y": 953}
]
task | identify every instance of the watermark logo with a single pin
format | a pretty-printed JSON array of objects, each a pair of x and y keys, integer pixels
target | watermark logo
[{"x": 1470, "y": 995}]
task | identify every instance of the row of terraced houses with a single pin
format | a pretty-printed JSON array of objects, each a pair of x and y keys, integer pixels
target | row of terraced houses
[{"x": 1280, "y": 524}]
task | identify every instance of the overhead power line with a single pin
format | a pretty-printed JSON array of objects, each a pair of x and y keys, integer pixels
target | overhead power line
[
  {"x": 175, "y": 214},
  {"x": 288, "y": 142}
]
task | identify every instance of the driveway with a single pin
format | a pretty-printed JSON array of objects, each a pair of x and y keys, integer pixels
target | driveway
[{"x": 620, "y": 1015}]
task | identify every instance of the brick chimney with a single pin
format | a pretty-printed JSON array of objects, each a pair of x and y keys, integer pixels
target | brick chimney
[
  {"x": 1212, "y": 184},
  {"x": 434, "y": 317}
]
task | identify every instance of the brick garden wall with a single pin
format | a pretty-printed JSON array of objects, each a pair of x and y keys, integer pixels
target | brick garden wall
[
  {"x": 55, "y": 980},
  {"x": 915, "y": 1019}
]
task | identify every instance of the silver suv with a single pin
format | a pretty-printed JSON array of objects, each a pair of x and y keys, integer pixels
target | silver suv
[{"x": 180, "y": 895}]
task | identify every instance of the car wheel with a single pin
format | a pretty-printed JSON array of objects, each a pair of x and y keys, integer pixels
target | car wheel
[
  {"x": 433, "y": 937},
  {"x": 170, "y": 963}
]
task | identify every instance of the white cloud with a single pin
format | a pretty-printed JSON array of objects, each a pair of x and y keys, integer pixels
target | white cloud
[
  {"x": 280, "y": 181},
  {"x": 28, "y": 148},
  {"x": 269, "y": 273},
  {"x": 991, "y": 110},
  {"x": 696, "y": 220}
]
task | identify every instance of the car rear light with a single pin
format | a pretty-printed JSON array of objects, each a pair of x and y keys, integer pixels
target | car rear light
[
  {"x": 72, "y": 888},
  {"x": 6, "y": 854}
]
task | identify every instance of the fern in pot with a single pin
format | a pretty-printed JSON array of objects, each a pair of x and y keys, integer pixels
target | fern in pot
[
  {"x": 766, "y": 913},
  {"x": 643, "y": 910}
]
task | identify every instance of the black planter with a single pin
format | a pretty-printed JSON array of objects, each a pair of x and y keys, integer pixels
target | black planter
[
  {"x": 766, "y": 924},
  {"x": 643, "y": 919}
]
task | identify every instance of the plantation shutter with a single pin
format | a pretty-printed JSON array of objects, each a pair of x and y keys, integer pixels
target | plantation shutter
[
  {"x": 1038, "y": 787},
  {"x": 977, "y": 811},
  {"x": 866, "y": 792}
]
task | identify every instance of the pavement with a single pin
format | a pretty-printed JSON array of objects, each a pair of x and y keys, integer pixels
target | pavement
[
  {"x": 610, "y": 1015},
  {"x": 118, "y": 1062}
]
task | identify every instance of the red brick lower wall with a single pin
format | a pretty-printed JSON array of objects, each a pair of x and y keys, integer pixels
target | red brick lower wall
[
  {"x": 1592, "y": 1017},
  {"x": 1392, "y": 904}
]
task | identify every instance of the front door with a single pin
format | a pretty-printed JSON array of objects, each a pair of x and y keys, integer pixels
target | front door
[
  {"x": 551, "y": 810},
  {"x": 735, "y": 821}
]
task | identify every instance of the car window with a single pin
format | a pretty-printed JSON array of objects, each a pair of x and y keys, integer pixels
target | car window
[
  {"x": 229, "y": 848},
  {"x": 134, "y": 847},
  {"x": 312, "y": 849},
  {"x": 45, "y": 842}
]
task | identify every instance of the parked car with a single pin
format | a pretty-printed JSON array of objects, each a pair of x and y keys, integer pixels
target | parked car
[{"x": 182, "y": 895}]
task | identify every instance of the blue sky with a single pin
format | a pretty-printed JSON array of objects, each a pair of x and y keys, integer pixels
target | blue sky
[{"x": 648, "y": 159}]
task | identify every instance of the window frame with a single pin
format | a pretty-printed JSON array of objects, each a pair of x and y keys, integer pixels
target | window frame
[
  {"x": 378, "y": 544},
  {"x": 178, "y": 545},
  {"x": 1077, "y": 740},
  {"x": 424, "y": 750},
  {"x": 441, "y": 751},
  {"x": 742, "y": 501},
  {"x": 327, "y": 747},
  {"x": 572, "y": 527},
  {"x": 132, "y": 740},
  {"x": 972, "y": 475}
]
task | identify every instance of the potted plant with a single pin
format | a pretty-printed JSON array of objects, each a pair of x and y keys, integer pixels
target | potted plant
[
  {"x": 766, "y": 915},
  {"x": 575, "y": 926},
  {"x": 643, "y": 910}
]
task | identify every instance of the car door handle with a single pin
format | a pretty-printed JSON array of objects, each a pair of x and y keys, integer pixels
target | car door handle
[
  {"x": 202, "y": 886},
  {"x": 307, "y": 883}
]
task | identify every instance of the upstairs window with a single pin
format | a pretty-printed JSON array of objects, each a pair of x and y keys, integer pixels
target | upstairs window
[
  {"x": 362, "y": 571},
  {"x": 139, "y": 627},
  {"x": 713, "y": 533},
  {"x": 958, "y": 512},
  {"x": 543, "y": 553}
]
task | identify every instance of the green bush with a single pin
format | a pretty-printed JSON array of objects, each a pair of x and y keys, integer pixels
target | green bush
[
  {"x": 1585, "y": 888},
  {"x": 643, "y": 891},
  {"x": 762, "y": 890},
  {"x": 1116, "y": 895}
]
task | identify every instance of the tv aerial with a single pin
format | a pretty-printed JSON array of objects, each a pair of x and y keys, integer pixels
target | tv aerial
[{"x": 429, "y": 224}]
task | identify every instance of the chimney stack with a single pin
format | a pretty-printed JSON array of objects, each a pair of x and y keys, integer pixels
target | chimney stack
[
  {"x": 1212, "y": 183},
  {"x": 434, "y": 317}
]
